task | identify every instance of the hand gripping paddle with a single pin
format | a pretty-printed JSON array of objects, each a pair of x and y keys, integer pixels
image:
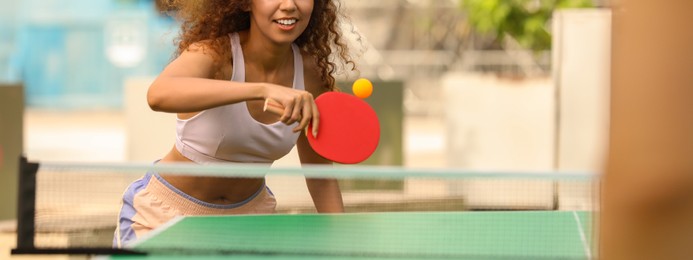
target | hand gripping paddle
[{"x": 349, "y": 128}]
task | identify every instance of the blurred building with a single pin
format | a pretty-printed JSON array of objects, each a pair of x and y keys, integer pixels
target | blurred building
[{"x": 77, "y": 54}]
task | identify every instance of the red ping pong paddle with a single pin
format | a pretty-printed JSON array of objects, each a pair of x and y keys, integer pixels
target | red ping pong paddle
[{"x": 349, "y": 128}]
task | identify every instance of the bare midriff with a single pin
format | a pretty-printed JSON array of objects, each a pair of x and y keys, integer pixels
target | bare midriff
[{"x": 215, "y": 190}]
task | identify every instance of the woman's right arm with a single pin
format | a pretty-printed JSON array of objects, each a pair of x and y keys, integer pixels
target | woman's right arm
[{"x": 186, "y": 85}]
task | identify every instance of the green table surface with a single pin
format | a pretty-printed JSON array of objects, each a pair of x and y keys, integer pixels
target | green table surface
[{"x": 410, "y": 235}]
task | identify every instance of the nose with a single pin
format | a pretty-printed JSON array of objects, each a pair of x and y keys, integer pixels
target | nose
[{"x": 288, "y": 5}]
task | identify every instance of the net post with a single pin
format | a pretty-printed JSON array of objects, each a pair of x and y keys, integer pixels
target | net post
[{"x": 26, "y": 208}]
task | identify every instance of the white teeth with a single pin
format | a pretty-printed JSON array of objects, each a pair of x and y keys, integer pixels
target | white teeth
[{"x": 286, "y": 21}]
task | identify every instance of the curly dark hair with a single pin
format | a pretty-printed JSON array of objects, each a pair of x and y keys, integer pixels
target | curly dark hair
[{"x": 213, "y": 20}]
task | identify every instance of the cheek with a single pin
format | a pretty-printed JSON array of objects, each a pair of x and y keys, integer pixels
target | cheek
[
  {"x": 305, "y": 5},
  {"x": 260, "y": 9}
]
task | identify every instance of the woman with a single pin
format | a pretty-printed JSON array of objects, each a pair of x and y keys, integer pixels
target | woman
[{"x": 233, "y": 55}]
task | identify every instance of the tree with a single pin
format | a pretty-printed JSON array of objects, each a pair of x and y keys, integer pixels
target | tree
[{"x": 524, "y": 20}]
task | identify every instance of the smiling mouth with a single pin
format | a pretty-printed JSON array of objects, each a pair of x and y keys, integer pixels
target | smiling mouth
[{"x": 286, "y": 22}]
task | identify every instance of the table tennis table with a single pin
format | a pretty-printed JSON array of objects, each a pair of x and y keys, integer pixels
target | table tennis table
[{"x": 391, "y": 235}]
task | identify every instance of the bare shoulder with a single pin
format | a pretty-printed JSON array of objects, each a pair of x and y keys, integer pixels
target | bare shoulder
[
  {"x": 200, "y": 59},
  {"x": 211, "y": 49},
  {"x": 311, "y": 73}
]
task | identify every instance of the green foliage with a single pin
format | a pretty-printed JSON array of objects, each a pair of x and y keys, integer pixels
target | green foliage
[{"x": 524, "y": 20}]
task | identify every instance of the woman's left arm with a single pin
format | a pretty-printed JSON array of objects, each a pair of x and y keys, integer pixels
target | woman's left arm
[{"x": 326, "y": 194}]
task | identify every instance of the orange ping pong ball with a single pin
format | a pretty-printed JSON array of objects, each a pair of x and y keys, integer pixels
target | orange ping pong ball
[{"x": 362, "y": 88}]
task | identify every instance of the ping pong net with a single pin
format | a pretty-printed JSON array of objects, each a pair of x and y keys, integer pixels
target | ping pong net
[{"x": 391, "y": 212}]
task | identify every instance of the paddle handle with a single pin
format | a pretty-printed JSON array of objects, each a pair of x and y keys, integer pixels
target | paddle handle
[{"x": 273, "y": 107}]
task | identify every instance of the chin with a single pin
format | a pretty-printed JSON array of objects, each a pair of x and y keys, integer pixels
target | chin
[{"x": 284, "y": 39}]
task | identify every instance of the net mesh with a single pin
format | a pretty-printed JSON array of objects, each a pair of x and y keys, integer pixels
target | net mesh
[{"x": 452, "y": 212}]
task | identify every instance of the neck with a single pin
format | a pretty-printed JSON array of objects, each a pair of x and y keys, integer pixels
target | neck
[{"x": 259, "y": 51}]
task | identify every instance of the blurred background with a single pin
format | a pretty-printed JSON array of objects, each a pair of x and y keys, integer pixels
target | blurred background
[
  {"x": 84, "y": 64},
  {"x": 517, "y": 85}
]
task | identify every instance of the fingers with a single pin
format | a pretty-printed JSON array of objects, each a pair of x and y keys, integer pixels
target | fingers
[
  {"x": 288, "y": 111},
  {"x": 297, "y": 111},
  {"x": 316, "y": 119},
  {"x": 306, "y": 114},
  {"x": 300, "y": 107}
]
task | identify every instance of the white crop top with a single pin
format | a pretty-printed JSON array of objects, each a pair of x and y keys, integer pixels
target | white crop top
[{"x": 229, "y": 133}]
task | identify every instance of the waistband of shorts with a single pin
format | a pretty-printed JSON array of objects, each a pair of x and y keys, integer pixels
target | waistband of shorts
[{"x": 159, "y": 187}]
